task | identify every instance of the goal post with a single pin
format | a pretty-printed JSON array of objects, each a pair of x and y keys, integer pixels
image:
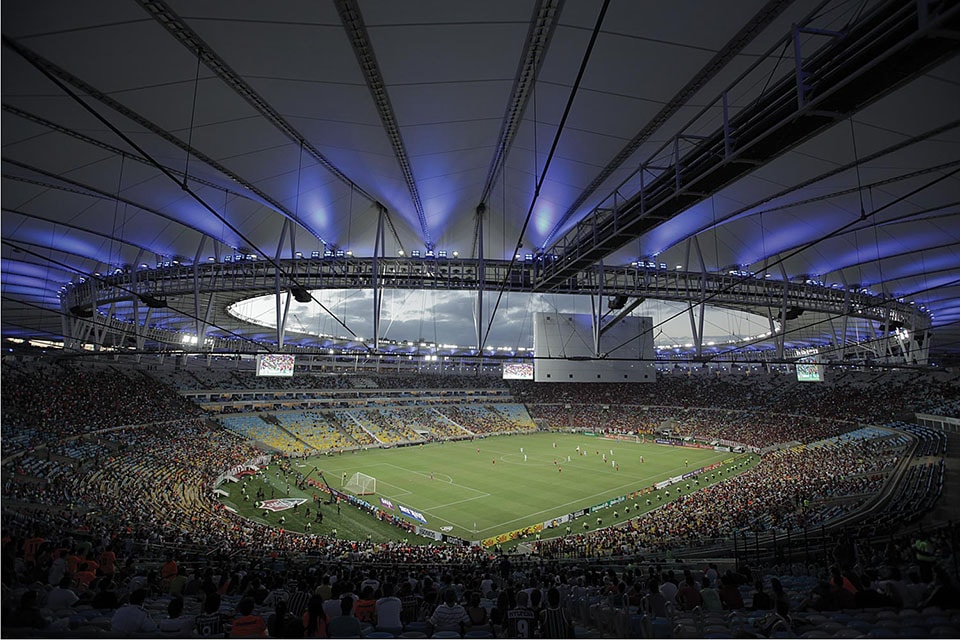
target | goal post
[{"x": 361, "y": 484}]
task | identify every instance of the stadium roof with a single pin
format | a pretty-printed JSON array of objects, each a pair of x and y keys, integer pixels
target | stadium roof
[{"x": 144, "y": 132}]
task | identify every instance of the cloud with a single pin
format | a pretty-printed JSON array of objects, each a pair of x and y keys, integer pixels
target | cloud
[{"x": 449, "y": 317}]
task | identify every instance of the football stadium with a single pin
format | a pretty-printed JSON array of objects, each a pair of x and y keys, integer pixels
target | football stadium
[{"x": 517, "y": 319}]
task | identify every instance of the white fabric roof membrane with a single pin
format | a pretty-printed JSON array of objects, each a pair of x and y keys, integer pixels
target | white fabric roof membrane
[{"x": 300, "y": 121}]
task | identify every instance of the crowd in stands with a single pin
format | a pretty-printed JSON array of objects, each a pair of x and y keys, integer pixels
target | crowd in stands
[
  {"x": 789, "y": 489},
  {"x": 486, "y": 419},
  {"x": 137, "y": 488},
  {"x": 96, "y": 584},
  {"x": 847, "y": 397},
  {"x": 53, "y": 402}
]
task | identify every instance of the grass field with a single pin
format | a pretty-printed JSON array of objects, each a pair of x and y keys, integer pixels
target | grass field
[{"x": 486, "y": 487}]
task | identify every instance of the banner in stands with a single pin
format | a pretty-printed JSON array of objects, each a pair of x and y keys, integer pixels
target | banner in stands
[
  {"x": 386, "y": 503},
  {"x": 416, "y": 515}
]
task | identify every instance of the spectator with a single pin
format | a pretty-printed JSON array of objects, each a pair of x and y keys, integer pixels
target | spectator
[
  {"x": 132, "y": 617},
  {"x": 553, "y": 620},
  {"x": 28, "y": 615},
  {"x": 388, "y": 610},
  {"x": 62, "y": 596},
  {"x": 247, "y": 624},
  {"x": 210, "y": 623},
  {"x": 710, "y": 596},
  {"x": 283, "y": 624},
  {"x": 762, "y": 601},
  {"x": 729, "y": 593},
  {"x": 314, "y": 619},
  {"x": 449, "y": 615},
  {"x": 176, "y": 625},
  {"x": 345, "y": 625}
]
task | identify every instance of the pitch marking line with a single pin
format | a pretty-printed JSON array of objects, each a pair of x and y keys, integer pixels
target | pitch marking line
[{"x": 499, "y": 527}]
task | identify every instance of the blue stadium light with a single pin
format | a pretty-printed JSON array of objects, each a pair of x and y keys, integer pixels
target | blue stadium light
[
  {"x": 298, "y": 255},
  {"x": 228, "y": 258},
  {"x": 429, "y": 253},
  {"x": 340, "y": 253},
  {"x": 415, "y": 253},
  {"x": 528, "y": 257},
  {"x": 327, "y": 253},
  {"x": 211, "y": 259},
  {"x": 442, "y": 253}
]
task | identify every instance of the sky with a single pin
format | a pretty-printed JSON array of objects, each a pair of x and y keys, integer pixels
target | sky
[{"x": 449, "y": 317}]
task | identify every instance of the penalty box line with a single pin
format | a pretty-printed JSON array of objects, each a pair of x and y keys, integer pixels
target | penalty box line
[{"x": 479, "y": 494}]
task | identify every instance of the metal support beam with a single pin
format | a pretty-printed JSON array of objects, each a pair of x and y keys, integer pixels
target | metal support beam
[
  {"x": 379, "y": 249},
  {"x": 281, "y": 309},
  {"x": 198, "y": 329},
  {"x": 626, "y": 311},
  {"x": 779, "y": 339},
  {"x": 698, "y": 336},
  {"x": 481, "y": 277},
  {"x": 356, "y": 32},
  {"x": 596, "y": 306}
]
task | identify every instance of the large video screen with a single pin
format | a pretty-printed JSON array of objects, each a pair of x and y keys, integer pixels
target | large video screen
[
  {"x": 517, "y": 371},
  {"x": 275, "y": 364},
  {"x": 809, "y": 371}
]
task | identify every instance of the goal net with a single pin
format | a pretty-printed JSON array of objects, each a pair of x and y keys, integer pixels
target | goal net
[{"x": 361, "y": 484}]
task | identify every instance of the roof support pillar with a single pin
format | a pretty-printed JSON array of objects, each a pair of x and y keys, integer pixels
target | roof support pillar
[
  {"x": 379, "y": 250},
  {"x": 282, "y": 309},
  {"x": 481, "y": 278},
  {"x": 780, "y": 338},
  {"x": 198, "y": 329},
  {"x": 596, "y": 307}
]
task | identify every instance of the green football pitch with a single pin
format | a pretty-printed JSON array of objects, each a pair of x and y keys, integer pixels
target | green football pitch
[{"x": 480, "y": 488}]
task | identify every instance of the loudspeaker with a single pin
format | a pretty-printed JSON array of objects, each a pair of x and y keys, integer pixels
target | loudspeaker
[
  {"x": 300, "y": 294},
  {"x": 150, "y": 301}
]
